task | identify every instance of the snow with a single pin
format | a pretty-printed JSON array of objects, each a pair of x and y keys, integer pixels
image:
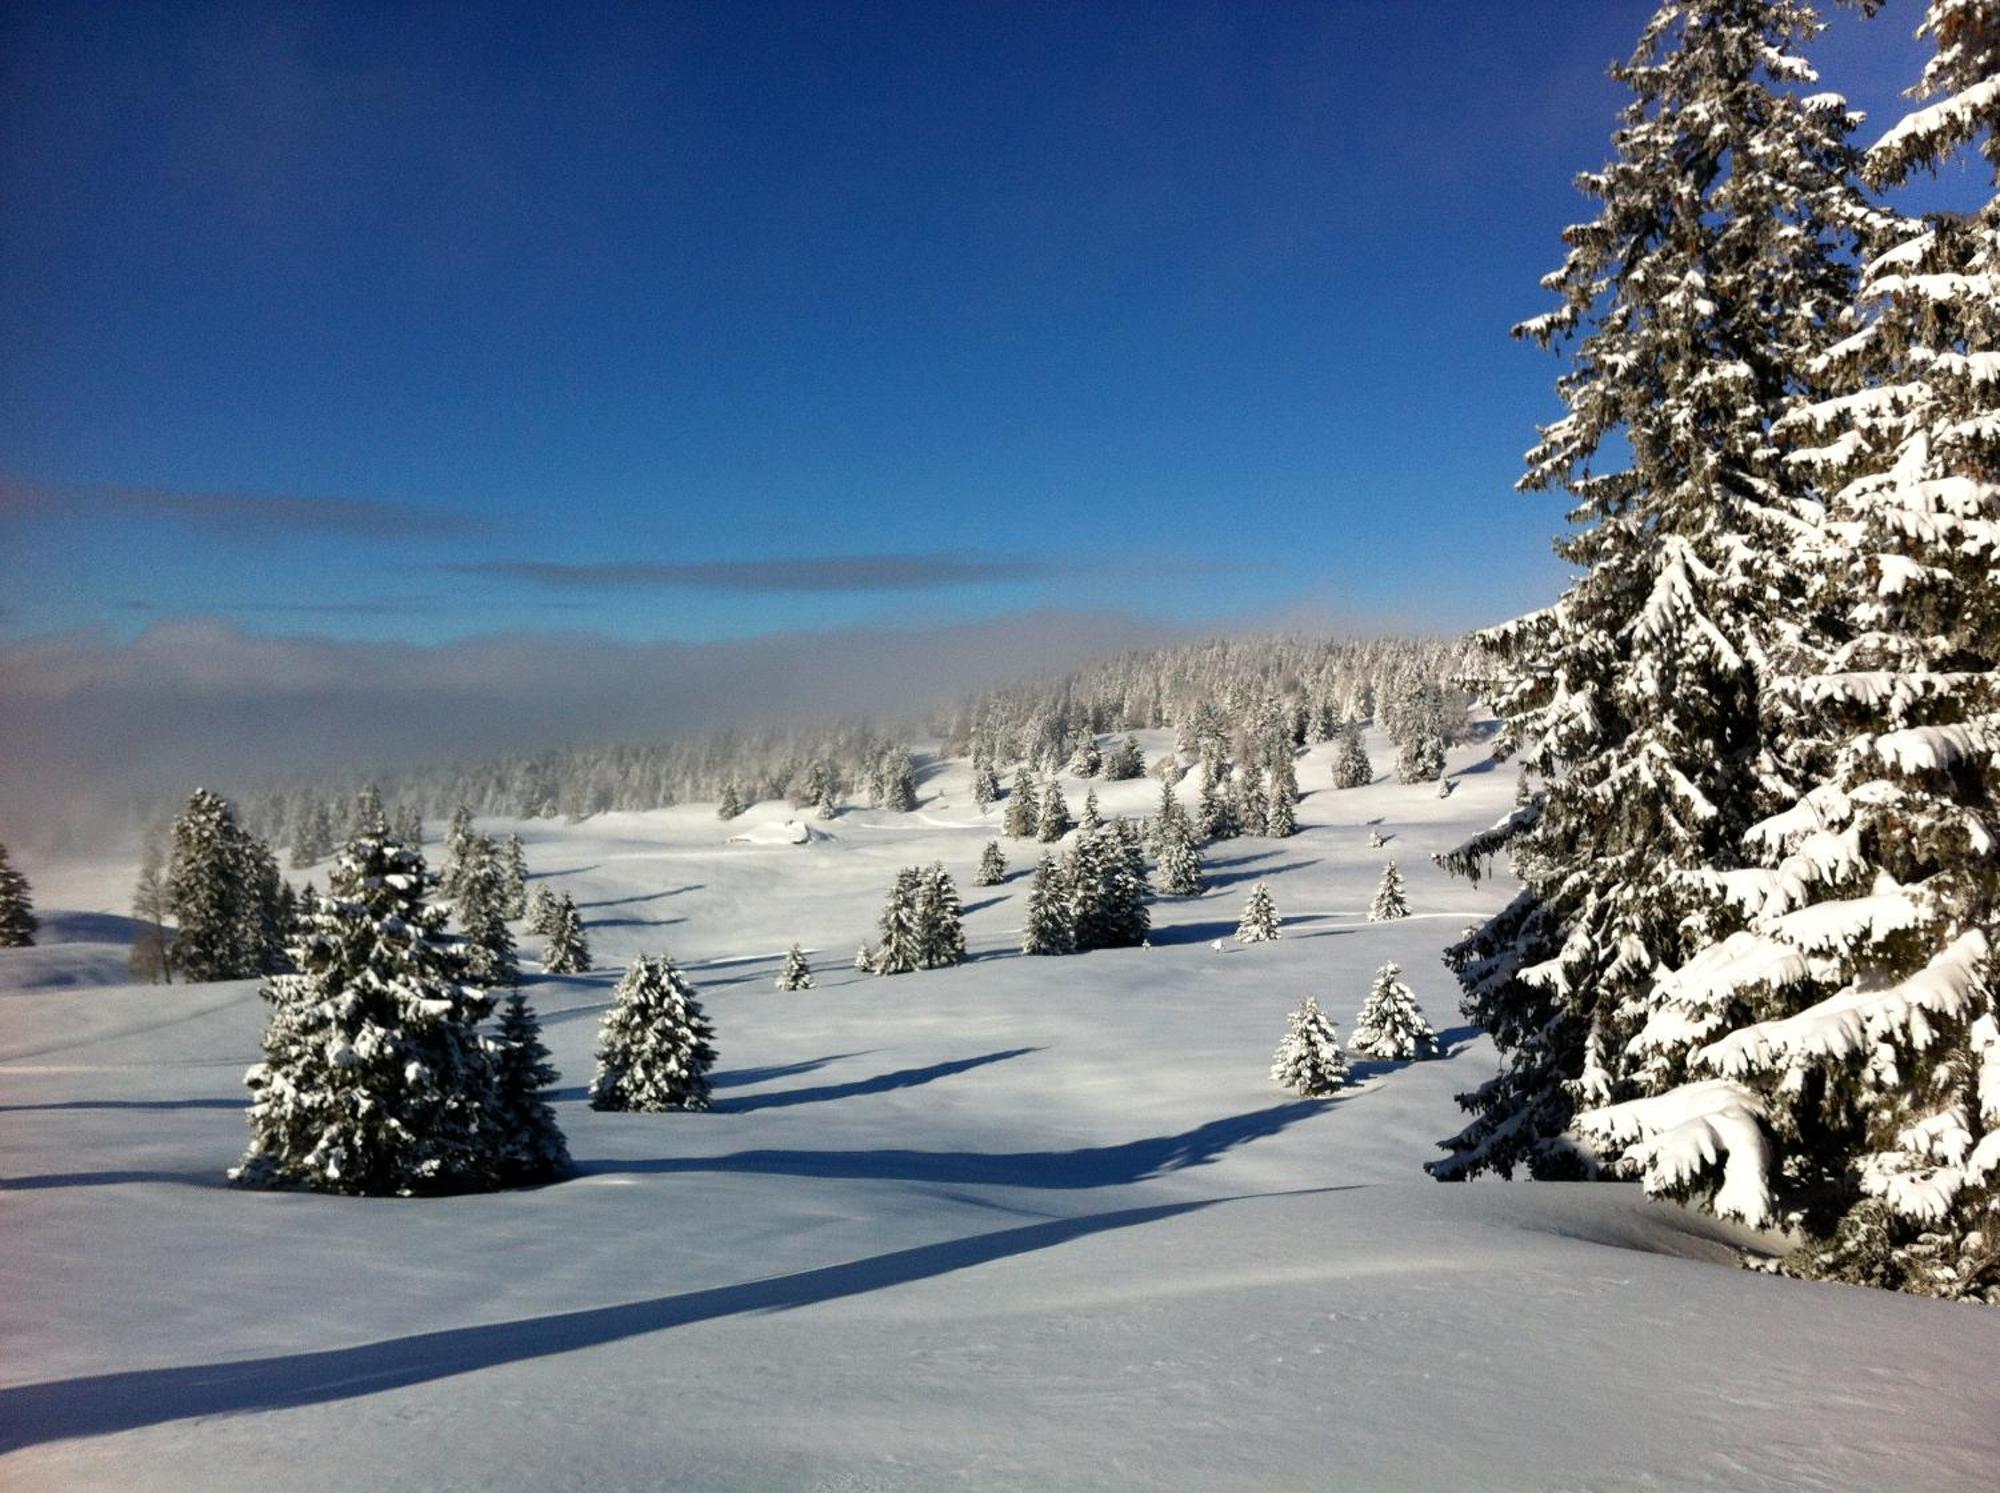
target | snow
[{"x": 1023, "y": 1223}]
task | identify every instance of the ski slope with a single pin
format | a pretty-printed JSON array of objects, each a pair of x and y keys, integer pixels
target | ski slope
[{"x": 1026, "y": 1223}]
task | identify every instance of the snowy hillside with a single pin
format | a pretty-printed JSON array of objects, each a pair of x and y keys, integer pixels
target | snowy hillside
[{"x": 1024, "y": 1223}]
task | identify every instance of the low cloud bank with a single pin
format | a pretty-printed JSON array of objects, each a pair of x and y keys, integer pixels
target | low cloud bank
[{"x": 93, "y": 729}]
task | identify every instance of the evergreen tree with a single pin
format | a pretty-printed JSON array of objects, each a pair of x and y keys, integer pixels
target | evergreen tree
[
  {"x": 992, "y": 866},
  {"x": 1420, "y": 755},
  {"x": 1281, "y": 819},
  {"x": 985, "y": 784},
  {"x": 1260, "y": 917},
  {"x": 374, "y": 1078},
  {"x": 901, "y": 950},
  {"x": 796, "y": 974},
  {"x": 940, "y": 921},
  {"x": 864, "y": 960},
  {"x": 1252, "y": 808},
  {"x": 312, "y": 835},
  {"x": 367, "y": 817},
  {"x": 1048, "y": 929},
  {"x": 532, "y": 1148},
  {"x": 1351, "y": 767},
  {"x": 1180, "y": 866},
  {"x": 899, "y": 783},
  {"x": 656, "y": 1046},
  {"x": 222, "y": 884},
  {"x": 540, "y": 906},
  {"x": 1834, "y": 1066},
  {"x": 457, "y": 833},
  {"x": 514, "y": 857},
  {"x": 829, "y": 804},
  {"x": 17, "y": 907},
  {"x": 1391, "y": 1024},
  {"x": 1092, "y": 819},
  {"x": 1214, "y": 815},
  {"x": 1309, "y": 1061},
  {"x": 1124, "y": 761},
  {"x": 1699, "y": 303},
  {"x": 484, "y": 885},
  {"x": 1023, "y": 816},
  {"x": 1390, "y": 901},
  {"x": 731, "y": 806},
  {"x": 408, "y": 824},
  {"x": 568, "y": 951},
  {"x": 1054, "y": 820},
  {"x": 1087, "y": 760}
]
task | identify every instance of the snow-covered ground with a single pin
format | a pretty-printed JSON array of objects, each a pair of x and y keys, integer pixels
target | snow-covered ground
[{"x": 1027, "y": 1223}]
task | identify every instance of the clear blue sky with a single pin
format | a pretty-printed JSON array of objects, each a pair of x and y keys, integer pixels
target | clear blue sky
[{"x": 1194, "y": 310}]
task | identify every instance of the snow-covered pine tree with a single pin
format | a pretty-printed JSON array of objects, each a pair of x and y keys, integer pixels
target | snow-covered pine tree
[
  {"x": 1351, "y": 767},
  {"x": 1176, "y": 849},
  {"x": 18, "y": 923},
  {"x": 992, "y": 866},
  {"x": 1048, "y": 929},
  {"x": 1391, "y": 900},
  {"x": 367, "y": 816},
  {"x": 1420, "y": 754},
  {"x": 1124, "y": 761},
  {"x": 1376, "y": 840},
  {"x": 568, "y": 950},
  {"x": 222, "y": 893},
  {"x": 1835, "y": 1065},
  {"x": 731, "y": 806},
  {"x": 407, "y": 824},
  {"x": 1697, "y": 303},
  {"x": 1087, "y": 760},
  {"x": 1091, "y": 817},
  {"x": 1215, "y": 811},
  {"x": 1309, "y": 1061},
  {"x": 1260, "y": 917},
  {"x": 312, "y": 835},
  {"x": 1391, "y": 1024},
  {"x": 901, "y": 950},
  {"x": 514, "y": 857},
  {"x": 456, "y": 834},
  {"x": 795, "y": 973},
  {"x": 1023, "y": 816},
  {"x": 1281, "y": 815},
  {"x": 374, "y": 1078},
  {"x": 985, "y": 784},
  {"x": 541, "y": 904},
  {"x": 656, "y": 1046},
  {"x": 481, "y": 906},
  {"x": 1054, "y": 820},
  {"x": 940, "y": 919},
  {"x": 532, "y": 1148},
  {"x": 899, "y": 783},
  {"x": 864, "y": 960},
  {"x": 1252, "y": 807}
]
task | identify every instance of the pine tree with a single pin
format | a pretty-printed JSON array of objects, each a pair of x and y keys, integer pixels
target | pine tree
[
  {"x": 1309, "y": 1061},
  {"x": 532, "y": 1146},
  {"x": 1023, "y": 816},
  {"x": 795, "y": 974},
  {"x": 1351, "y": 767},
  {"x": 568, "y": 951},
  {"x": 1390, "y": 901},
  {"x": 1698, "y": 302},
  {"x": 940, "y": 922},
  {"x": 992, "y": 866},
  {"x": 1252, "y": 808},
  {"x": 829, "y": 804},
  {"x": 899, "y": 783},
  {"x": 1092, "y": 819},
  {"x": 1124, "y": 761},
  {"x": 1391, "y": 1024},
  {"x": 312, "y": 835},
  {"x": 656, "y": 1046},
  {"x": 223, "y": 886},
  {"x": 1281, "y": 819},
  {"x": 901, "y": 950},
  {"x": 540, "y": 906},
  {"x": 985, "y": 784},
  {"x": 367, "y": 816},
  {"x": 457, "y": 833},
  {"x": 1048, "y": 929},
  {"x": 18, "y": 923},
  {"x": 1054, "y": 820},
  {"x": 731, "y": 806},
  {"x": 374, "y": 1078},
  {"x": 1086, "y": 761},
  {"x": 864, "y": 960},
  {"x": 1260, "y": 917},
  {"x": 514, "y": 857},
  {"x": 1215, "y": 816},
  {"x": 1834, "y": 1066},
  {"x": 483, "y": 888},
  {"x": 1420, "y": 755},
  {"x": 1179, "y": 853},
  {"x": 407, "y": 824}
]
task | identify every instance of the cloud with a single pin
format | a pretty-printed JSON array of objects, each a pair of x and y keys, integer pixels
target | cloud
[
  {"x": 92, "y": 726},
  {"x": 813, "y": 573},
  {"x": 235, "y": 515},
  {"x": 392, "y": 606}
]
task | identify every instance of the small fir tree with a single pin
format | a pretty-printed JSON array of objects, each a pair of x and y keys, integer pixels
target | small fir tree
[
  {"x": 1054, "y": 820},
  {"x": 1390, "y": 902},
  {"x": 1351, "y": 767},
  {"x": 18, "y": 923},
  {"x": 1023, "y": 816},
  {"x": 481, "y": 906},
  {"x": 940, "y": 919},
  {"x": 514, "y": 856},
  {"x": 992, "y": 866},
  {"x": 532, "y": 1145},
  {"x": 656, "y": 1047},
  {"x": 1391, "y": 1024},
  {"x": 796, "y": 973},
  {"x": 731, "y": 806},
  {"x": 901, "y": 950},
  {"x": 541, "y": 904},
  {"x": 864, "y": 960},
  {"x": 1309, "y": 1061},
  {"x": 1048, "y": 929},
  {"x": 568, "y": 951},
  {"x": 1260, "y": 917}
]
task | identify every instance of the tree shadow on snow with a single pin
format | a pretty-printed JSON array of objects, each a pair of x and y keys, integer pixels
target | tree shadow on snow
[
  {"x": 571, "y": 871},
  {"x": 736, "y": 1078},
  {"x": 1233, "y": 878},
  {"x": 1086, "y": 1167},
  {"x": 238, "y": 1103},
  {"x": 693, "y": 886},
  {"x": 632, "y": 922},
  {"x": 882, "y": 1083},
  {"x": 981, "y": 905},
  {"x": 46, "y": 1181},
  {"x": 1186, "y": 933},
  {"x": 102, "y": 1404}
]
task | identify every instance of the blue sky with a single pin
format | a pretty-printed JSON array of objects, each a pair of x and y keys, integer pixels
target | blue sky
[{"x": 420, "y": 323}]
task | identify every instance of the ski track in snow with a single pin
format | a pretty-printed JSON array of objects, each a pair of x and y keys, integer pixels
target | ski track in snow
[{"x": 1025, "y": 1223}]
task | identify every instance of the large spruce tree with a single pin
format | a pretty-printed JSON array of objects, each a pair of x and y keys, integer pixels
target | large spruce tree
[
  {"x": 1693, "y": 306},
  {"x": 1834, "y": 1066},
  {"x": 18, "y": 923}
]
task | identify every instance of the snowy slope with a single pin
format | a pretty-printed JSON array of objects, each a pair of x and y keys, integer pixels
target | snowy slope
[{"x": 1026, "y": 1223}]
